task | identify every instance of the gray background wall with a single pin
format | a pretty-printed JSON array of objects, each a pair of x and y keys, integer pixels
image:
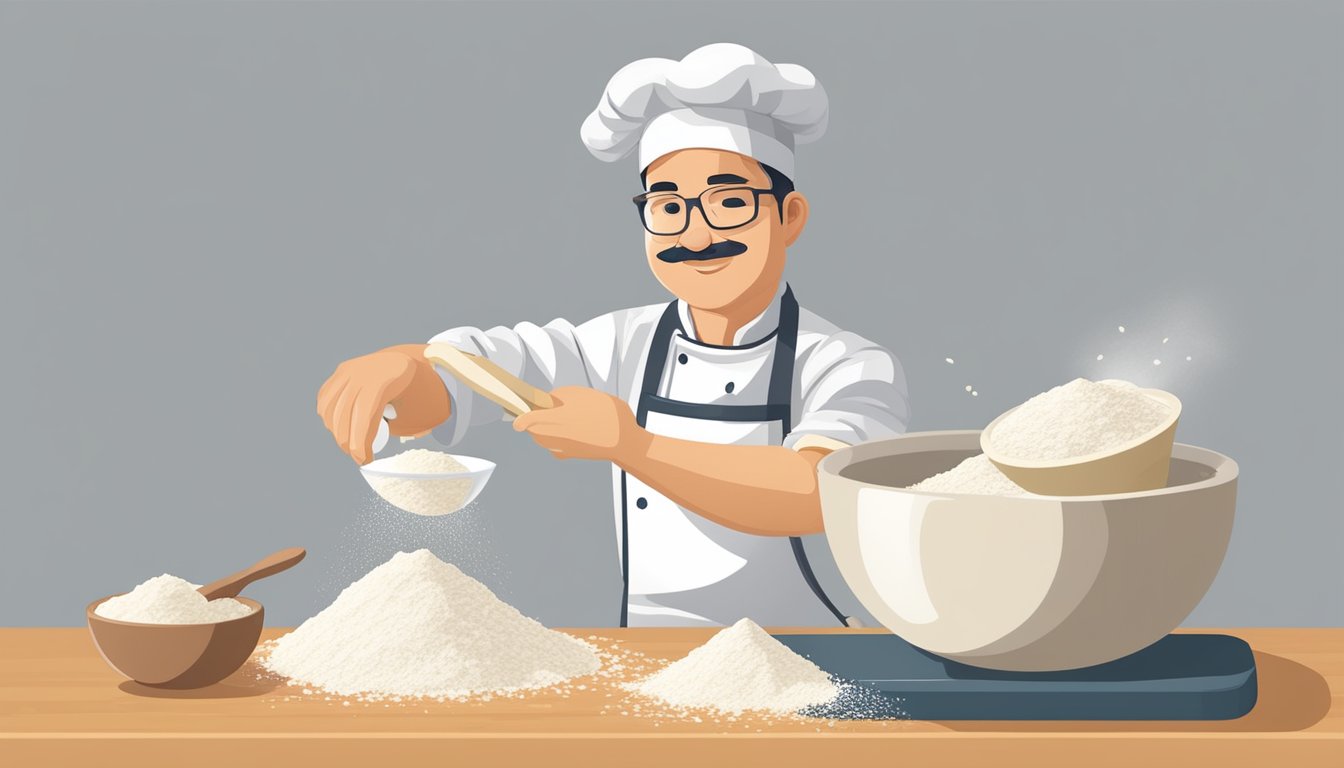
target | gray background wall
[{"x": 205, "y": 207}]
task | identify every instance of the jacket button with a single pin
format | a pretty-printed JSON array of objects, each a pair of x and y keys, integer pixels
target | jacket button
[
  {"x": 641, "y": 502},
  {"x": 682, "y": 358},
  {"x": 728, "y": 388}
]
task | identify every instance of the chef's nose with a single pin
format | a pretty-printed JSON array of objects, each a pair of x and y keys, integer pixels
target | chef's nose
[{"x": 697, "y": 236}]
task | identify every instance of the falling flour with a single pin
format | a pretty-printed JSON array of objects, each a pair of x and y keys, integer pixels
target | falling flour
[
  {"x": 1077, "y": 419},
  {"x": 422, "y": 495},
  {"x": 417, "y": 626},
  {"x": 167, "y": 599},
  {"x": 741, "y": 668},
  {"x": 976, "y": 475}
]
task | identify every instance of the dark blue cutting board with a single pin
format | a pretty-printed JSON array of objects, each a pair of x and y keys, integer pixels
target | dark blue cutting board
[{"x": 1180, "y": 677}]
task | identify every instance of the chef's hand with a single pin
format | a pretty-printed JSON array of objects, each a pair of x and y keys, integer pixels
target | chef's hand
[
  {"x": 352, "y": 399},
  {"x": 583, "y": 424}
]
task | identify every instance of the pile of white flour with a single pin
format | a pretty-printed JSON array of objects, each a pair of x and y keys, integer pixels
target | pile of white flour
[
  {"x": 422, "y": 495},
  {"x": 976, "y": 475},
  {"x": 1076, "y": 419},
  {"x": 167, "y": 599},
  {"x": 417, "y": 626},
  {"x": 741, "y": 668}
]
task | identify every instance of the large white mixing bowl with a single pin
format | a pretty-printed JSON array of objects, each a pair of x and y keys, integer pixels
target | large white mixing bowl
[{"x": 1027, "y": 583}]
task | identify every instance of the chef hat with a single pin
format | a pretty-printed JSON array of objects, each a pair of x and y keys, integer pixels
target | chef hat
[{"x": 721, "y": 96}]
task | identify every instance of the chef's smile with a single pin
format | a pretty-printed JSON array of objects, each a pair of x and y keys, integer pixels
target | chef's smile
[{"x": 711, "y": 266}]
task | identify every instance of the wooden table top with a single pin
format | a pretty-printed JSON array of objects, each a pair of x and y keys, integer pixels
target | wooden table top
[{"x": 60, "y": 704}]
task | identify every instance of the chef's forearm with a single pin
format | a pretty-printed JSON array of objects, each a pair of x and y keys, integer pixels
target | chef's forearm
[{"x": 760, "y": 489}]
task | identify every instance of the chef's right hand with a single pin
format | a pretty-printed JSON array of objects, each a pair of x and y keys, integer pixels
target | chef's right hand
[{"x": 352, "y": 400}]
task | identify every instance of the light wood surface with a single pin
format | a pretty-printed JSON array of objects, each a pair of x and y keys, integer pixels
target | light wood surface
[{"x": 60, "y": 704}]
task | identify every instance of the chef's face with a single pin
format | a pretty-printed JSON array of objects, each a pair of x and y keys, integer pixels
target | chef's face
[{"x": 711, "y": 268}]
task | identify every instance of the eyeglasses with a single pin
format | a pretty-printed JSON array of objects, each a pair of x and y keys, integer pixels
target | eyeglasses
[{"x": 667, "y": 213}]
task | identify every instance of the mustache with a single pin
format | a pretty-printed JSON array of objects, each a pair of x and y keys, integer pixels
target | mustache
[{"x": 676, "y": 254}]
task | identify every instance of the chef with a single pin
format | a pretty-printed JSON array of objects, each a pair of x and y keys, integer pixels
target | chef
[{"x": 714, "y": 408}]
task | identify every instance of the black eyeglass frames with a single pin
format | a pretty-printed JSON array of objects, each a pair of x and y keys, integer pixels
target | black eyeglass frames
[{"x": 667, "y": 213}]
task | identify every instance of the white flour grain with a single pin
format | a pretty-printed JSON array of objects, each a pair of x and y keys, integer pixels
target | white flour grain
[
  {"x": 976, "y": 475},
  {"x": 422, "y": 495},
  {"x": 741, "y": 668},
  {"x": 417, "y": 626},
  {"x": 1077, "y": 419},
  {"x": 167, "y": 599}
]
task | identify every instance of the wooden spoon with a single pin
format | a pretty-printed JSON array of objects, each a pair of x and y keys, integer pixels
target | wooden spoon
[{"x": 230, "y": 586}]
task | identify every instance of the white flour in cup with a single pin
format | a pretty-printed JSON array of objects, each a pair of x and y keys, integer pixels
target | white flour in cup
[
  {"x": 1077, "y": 419},
  {"x": 422, "y": 495},
  {"x": 741, "y": 668},
  {"x": 167, "y": 599},
  {"x": 417, "y": 626},
  {"x": 976, "y": 475}
]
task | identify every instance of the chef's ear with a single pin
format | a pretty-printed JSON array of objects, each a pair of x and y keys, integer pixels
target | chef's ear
[{"x": 794, "y": 210}]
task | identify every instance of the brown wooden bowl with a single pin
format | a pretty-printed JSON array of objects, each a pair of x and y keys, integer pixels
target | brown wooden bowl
[{"x": 176, "y": 655}]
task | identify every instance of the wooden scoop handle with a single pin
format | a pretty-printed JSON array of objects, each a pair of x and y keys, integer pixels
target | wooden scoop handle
[
  {"x": 489, "y": 380},
  {"x": 230, "y": 586},
  {"x": 534, "y": 397}
]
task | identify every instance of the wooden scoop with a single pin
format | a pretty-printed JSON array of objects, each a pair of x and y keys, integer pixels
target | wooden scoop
[
  {"x": 489, "y": 380},
  {"x": 230, "y": 586}
]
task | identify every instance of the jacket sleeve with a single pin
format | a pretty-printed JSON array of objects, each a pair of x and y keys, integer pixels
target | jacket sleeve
[
  {"x": 553, "y": 355},
  {"x": 852, "y": 391}
]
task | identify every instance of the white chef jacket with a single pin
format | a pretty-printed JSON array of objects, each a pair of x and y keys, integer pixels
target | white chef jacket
[{"x": 846, "y": 390}]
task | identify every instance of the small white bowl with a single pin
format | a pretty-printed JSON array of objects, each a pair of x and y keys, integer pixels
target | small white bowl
[{"x": 429, "y": 493}]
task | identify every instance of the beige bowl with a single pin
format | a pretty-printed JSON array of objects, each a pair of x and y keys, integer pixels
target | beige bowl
[
  {"x": 1025, "y": 583},
  {"x": 1139, "y": 465},
  {"x": 176, "y": 655}
]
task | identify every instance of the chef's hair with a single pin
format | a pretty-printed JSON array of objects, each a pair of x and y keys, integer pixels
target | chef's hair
[{"x": 780, "y": 185}]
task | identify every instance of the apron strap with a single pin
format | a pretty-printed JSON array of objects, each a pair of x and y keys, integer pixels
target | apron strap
[
  {"x": 656, "y": 362},
  {"x": 786, "y": 346},
  {"x": 800, "y": 555},
  {"x": 779, "y": 405},
  {"x": 781, "y": 396},
  {"x": 625, "y": 555}
]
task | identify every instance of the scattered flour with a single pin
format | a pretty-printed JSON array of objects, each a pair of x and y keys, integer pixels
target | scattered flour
[
  {"x": 422, "y": 495},
  {"x": 1077, "y": 419},
  {"x": 167, "y": 599},
  {"x": 741, "y": 668},
  {"x": 976, "y": 475},
  {"x": 417, "y": 626}
]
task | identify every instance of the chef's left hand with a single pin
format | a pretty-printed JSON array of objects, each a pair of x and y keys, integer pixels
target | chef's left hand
[{"x": 583, "y": 424}]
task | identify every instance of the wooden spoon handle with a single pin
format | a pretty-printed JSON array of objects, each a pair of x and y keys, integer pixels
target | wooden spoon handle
[
  {"x": 230, "y": 586},
  {"x": 537, "y": 398},
  {"x": 489, "y": 380}
]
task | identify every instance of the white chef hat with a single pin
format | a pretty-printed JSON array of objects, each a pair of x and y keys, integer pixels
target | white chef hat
[{"x": 721, "y": 96}]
